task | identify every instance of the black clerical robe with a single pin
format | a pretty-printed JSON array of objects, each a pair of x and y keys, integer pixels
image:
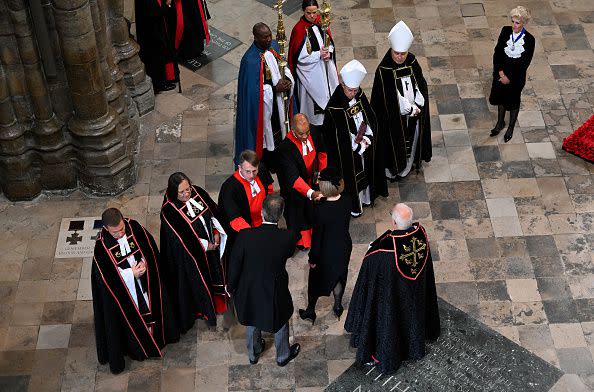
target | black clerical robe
[
  {"x": 123, "y": 326},
  {"x": 393, "y": 308},
  {"x": 155, "y": 34},
  {"x": 195, "y": 276},
  {"x": 396, "y": 130},
  {"x": 295, "y": 176},
  {"x": 359, "y": 171}
]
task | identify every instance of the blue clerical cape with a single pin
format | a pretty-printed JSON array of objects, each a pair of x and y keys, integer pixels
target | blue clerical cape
[{"x": 248, "y": 99}]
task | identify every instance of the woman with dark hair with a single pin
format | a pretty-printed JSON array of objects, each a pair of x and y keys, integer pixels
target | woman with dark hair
[
  {"x": 192, "y": 246},
  {"x": 511, "y": 58},
  {"x": 331, "y": 245},
  {"x": 313, "y": 64}
]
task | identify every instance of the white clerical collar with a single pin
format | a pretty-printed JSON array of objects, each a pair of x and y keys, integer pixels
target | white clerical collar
[
  {"x": 268, "y": 223},
  {"x": 306, "y": 147},
  {"x": 124, "y": 245},
  {"x": 190, "y": 204},
  {"x": 253, "y": 184}
]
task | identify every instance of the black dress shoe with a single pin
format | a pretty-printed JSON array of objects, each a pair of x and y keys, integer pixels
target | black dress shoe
[
  {"x": 338, "y": 310},
  {"x": 508, "y": 135},
  {"x": 294, "y": 351},
  {"x": 263, "y": 345},
  {"x": 308, "y": 315},
  {"x": 498, "y": 127}
]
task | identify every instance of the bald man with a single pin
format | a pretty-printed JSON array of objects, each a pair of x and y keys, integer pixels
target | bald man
[
  {"x": 393, "y": 309},
  {"x": 300, "y": 156}
]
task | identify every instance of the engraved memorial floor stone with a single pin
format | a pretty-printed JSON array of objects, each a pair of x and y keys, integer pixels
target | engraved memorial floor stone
[
  {"x": 77, "y": 237},
  {"x": 220, "y": 44},
  {"x": 468, "y": 356}
]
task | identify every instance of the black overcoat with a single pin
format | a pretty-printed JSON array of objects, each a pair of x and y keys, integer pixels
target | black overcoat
[
  {"x": 331, "y": 246},
  {"x": 258, "y": 279},
  {"x": 515, "y": 69}
]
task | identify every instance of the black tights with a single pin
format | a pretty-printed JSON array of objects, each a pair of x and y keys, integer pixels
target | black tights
[{"x": 337, "y": 292}]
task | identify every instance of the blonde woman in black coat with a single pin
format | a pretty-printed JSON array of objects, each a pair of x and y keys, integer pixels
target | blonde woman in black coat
[{"x": 511, "y": 59}]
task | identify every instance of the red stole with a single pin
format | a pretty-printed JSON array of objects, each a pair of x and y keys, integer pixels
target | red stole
[{"x": 255, "y": 202}]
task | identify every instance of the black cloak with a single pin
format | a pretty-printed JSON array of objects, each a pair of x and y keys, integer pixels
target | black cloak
[
  {"x": 122, "y": 327},
  {"x": 396, "y": 137},
  {"x": 336, "y": 132},
  {"x": 394, "y": 304},
  {"x": 195, "y": 277}
]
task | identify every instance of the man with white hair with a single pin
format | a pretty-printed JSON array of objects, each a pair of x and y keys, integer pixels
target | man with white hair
[
  {"x": 393, "y": 308},
  {"x": 400, "y": 101},
  {"x": 349, "y": 133}
]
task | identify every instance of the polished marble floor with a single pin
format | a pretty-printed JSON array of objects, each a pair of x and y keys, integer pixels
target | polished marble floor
[{"x": 511, "y": 225}]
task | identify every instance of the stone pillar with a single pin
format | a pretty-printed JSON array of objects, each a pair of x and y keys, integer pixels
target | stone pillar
[
  {"x": 68, "y": 73},
  {"x": 126, "y": 51}
]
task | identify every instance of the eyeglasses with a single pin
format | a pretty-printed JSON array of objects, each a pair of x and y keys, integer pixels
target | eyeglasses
[{"x": 187, "y": 190}]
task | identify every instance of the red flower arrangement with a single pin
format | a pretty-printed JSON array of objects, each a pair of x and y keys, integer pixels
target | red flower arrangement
[{"x": 581, "y": 141}]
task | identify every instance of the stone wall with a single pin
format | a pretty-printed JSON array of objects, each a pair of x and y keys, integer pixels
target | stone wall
[{"x": 71, "y": 90}]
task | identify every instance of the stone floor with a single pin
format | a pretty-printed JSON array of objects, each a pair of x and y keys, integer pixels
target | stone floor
[{"x": 511, "y": 224}]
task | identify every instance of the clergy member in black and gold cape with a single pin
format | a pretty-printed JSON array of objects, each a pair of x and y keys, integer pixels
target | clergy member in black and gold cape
[
  {"x": 393, "y": 308},
  {"x": 131, "y": 309},
  {"x": 400, "y": 101},
  {"x": 349, "y": 134},
  {"x": 193, "y": 242}
]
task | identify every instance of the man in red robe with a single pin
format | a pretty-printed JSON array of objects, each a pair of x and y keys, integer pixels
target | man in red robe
[{"x": 300, "y": 155}]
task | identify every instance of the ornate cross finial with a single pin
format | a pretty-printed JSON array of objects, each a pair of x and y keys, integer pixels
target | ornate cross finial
[
  {"x": 279, "y": 5},
  {"x": 325, "y": 10}
]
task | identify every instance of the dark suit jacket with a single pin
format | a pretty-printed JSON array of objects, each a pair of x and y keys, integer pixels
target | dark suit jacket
[{"x": 258, "y": 280}]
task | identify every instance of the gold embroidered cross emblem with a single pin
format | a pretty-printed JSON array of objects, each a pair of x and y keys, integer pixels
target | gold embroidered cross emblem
[{"x": 415, "y": 253}]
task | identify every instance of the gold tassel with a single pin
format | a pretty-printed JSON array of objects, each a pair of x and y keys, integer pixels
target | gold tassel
[{"x": 307, "y": 43}]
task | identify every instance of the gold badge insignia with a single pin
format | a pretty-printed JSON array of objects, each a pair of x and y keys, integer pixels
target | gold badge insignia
[
  {"x": 414, "y": 257},
  {"x": 355, "y": 109}
]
